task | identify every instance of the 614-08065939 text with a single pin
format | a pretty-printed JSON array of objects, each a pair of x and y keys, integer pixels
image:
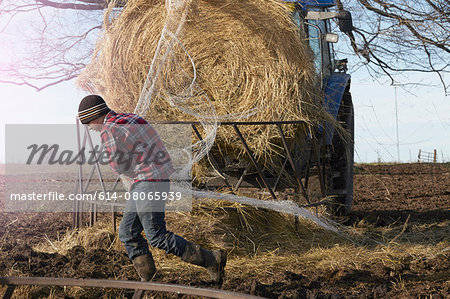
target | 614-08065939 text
[{"x": 102, "y": 196}]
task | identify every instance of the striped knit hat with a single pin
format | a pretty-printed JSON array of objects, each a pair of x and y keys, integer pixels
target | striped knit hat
[{"x": 92, "y": 107}]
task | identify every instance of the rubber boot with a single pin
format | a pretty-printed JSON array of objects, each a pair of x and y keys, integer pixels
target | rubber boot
[
  {"x": 145, "y": 266},
  {"x": 214, "y": 261}
]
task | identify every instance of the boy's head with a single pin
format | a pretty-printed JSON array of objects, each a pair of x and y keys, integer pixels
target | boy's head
[{"x": 92, "y": 110}]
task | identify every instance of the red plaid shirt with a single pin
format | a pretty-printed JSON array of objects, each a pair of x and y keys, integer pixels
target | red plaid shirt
[{"x": 135, "y": 148}]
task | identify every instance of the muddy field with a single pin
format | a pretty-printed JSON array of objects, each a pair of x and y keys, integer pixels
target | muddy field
[{"x": 395, "y": 244}]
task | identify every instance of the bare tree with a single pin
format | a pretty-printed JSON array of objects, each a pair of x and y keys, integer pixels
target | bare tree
[
  {"x": 47, "y": 42},
  {"x": 56, "y": 38},
  {"x": 395, "y": 37}
]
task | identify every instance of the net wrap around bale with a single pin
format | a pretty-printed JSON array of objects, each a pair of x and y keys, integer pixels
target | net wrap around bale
[{"x": 248, "y": 56}]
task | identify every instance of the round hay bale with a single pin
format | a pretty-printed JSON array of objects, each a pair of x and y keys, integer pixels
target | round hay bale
[{"x": 247, "y": 54}]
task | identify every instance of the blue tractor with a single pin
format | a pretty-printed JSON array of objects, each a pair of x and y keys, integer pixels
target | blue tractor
[
  {"x": 337, "y": 152},
  {"x": 337, "y": 155}
]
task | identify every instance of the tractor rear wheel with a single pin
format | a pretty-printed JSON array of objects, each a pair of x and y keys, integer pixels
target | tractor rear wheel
[{"x": 341, "y": 163}]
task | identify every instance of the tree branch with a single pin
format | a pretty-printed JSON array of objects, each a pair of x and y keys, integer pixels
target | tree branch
[{"x": 94, "y": 5}]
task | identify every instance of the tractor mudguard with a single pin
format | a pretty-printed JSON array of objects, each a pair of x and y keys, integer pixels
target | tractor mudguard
[{"x": 334, "y": 91}]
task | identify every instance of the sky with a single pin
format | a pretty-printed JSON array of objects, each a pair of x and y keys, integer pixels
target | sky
[{"x": 422, "y": 120}]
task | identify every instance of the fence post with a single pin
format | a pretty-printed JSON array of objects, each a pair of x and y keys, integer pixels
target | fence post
[{"x": 435, "y": 156}]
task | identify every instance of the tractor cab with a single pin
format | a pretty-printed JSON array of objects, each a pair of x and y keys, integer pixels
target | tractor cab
[{"x": 313, "y": 19}]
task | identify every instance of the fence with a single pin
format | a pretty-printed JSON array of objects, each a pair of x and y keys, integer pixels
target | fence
[{"x": 427, "y": 157}]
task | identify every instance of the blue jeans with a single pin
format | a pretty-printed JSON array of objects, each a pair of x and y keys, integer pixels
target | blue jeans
[{"x": 148, "y": 215}]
